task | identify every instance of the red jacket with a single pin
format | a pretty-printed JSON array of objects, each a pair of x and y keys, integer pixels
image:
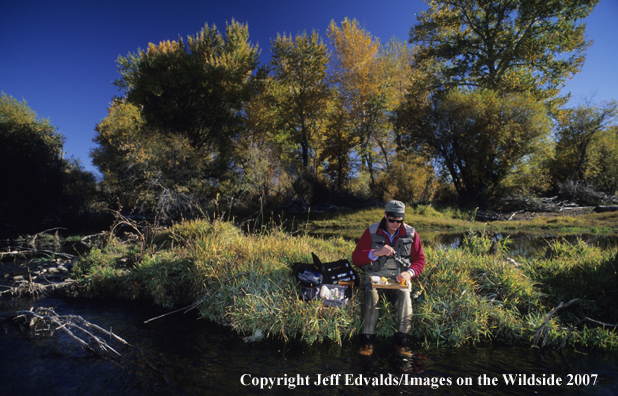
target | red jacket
[{"x": 360, "y": 256}]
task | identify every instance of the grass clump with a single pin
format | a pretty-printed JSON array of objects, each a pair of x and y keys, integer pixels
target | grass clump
[
  {"x": 247, "y": 278},
  {"x": 472, "y": 297}
]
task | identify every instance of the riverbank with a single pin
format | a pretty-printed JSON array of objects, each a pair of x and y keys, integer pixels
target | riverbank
[
  {"x": 426, "y": 219},
  {"x": 472, "y": 297}
]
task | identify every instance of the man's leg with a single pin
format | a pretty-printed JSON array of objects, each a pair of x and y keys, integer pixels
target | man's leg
[
  {"x": 370, "y": 319},
  {"x": 403, "y": 321},
  {"x": 403, "y": 310}
]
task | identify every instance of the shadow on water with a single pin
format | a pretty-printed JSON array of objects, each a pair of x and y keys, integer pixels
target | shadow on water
[{"x": 180, "y": 355}]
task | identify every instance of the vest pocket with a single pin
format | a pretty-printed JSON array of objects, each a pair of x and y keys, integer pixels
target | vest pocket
[{"x": 404, "y": 247}]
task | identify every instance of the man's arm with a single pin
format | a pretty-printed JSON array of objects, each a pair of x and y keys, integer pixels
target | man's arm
[
  {"x": 417, "y": 256},
  {"x": 360, "y": 256}
]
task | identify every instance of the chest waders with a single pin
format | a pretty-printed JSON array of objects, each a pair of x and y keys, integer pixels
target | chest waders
[{"x": 388, "y": 267}]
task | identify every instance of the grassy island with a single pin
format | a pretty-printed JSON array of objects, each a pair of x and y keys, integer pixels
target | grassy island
[{"x": 472, "y": 297}]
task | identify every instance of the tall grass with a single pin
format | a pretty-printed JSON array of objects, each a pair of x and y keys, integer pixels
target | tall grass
[{"x": 471, "y": 297}]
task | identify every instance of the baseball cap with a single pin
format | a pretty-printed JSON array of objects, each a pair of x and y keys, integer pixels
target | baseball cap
[{"x": 395, "y": 209}]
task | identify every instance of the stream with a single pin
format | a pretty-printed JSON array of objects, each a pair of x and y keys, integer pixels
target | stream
[{"x": 181, "y": 355}]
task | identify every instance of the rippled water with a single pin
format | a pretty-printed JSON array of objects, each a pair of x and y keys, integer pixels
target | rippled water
[{"x": 180, "y": 355}]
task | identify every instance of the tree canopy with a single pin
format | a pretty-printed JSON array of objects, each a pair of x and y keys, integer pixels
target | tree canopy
[
  {"x": 300, "y": 94},
  {"x": 478, "y": 136},
  {"x": 31, "y": 159},
  {"x": 576, "y": 130},
  {"x": 195, "y": 89},
  {"x": 506, "y": 45},
  {"x": 471, "y": 98}
]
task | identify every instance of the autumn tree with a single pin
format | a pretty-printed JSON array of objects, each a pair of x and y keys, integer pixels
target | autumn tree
[
  {"x": 522, "y": 51},
  {"x": 368, "y": 77},
  {"x": 505, "y": 45},
  {"x": 339, "y": 142},
  {"x": 300, "y": 95},
  {"x": 603, "y": 170},
  {"x": 478, "y": 136},
  {"x": 576, "y": 131},
  {"x": 146, "y": 170},
  {"x": 170, "y": 141},
  {"x": 194, "y": 89}
]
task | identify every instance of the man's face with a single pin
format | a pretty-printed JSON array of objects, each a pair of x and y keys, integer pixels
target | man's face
[{"x": 392, "y": 223}]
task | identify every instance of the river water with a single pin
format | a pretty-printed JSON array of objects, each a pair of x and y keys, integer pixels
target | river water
[
  {"x": 181, "y": 355},
  {"x": 523, "y": 243}
]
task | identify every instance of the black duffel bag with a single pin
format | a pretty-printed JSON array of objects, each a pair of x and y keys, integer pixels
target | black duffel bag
[{"x": 311, "y": 276}]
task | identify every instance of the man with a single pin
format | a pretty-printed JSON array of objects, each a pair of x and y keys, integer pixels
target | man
[{"x": 393, "y": 250}]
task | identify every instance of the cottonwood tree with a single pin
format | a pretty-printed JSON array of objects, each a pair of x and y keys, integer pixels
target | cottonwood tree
[
  {"x": 603, "y": 172},
  {"x": 478, "y": 136},
  {"x": 300, "y": 96},
  {"x": 367, "y": 78},
  {"x": 194, "y": 89},
  {"x": 31, "y": 159},
  {"x": 505, "y": 45},
  {"x": 146, "y": 170},
  {"x": 169, "y": 142},
  {"x": 41, "y": 187},
  {"x": 576, "y": 130},
  {"x": 510, "y": 47}
]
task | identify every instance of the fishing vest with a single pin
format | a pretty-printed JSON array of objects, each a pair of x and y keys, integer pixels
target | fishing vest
[{"x": 391, "y": 266}]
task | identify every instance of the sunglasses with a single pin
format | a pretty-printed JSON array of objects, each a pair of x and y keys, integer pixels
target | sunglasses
[{"x": 394, "y": 221}]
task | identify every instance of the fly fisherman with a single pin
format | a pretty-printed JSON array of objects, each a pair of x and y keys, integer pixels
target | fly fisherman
[{"x": 393, "y": 250}]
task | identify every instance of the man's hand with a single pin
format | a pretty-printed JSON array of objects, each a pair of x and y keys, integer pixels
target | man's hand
[
  {"x": 385, "y": 250},
  {"x": 404, "y": 275}
]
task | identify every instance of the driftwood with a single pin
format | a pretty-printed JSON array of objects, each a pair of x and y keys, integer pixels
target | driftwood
[
  {"x": 45, "y": 320},
  {"x": 35, "y": 289},
  {"x": 550, "y": 204},
  {"x": 584, "y": 194},
  {"x": 34, "y": 252}
]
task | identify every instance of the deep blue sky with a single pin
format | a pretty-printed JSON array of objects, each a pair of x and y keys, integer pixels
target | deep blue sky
[{"x": 60, "y": 56}]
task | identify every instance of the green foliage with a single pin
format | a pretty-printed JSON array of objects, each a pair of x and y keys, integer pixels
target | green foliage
[
  {"x": 603, "y": 169},
  {"x": 478, "y": 136},
  {"x": 580, "y": 271},
  {"x": 427, "y": 211},
  {"x": 576, "y": 134},
  {"x": 32, "y": 165},
  {"x": 523, "y": 46},
  {"x": 194, "y": 90},
  {"x": 300, "y": 95},
  {"x": 150, "y": 172}
]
